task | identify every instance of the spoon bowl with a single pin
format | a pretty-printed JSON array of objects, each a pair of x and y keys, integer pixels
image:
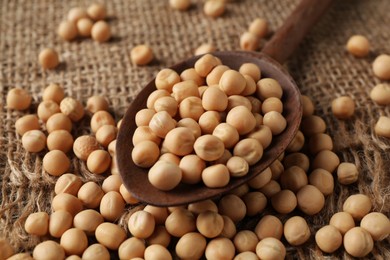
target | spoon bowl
[{"x": 135, "y": 178}]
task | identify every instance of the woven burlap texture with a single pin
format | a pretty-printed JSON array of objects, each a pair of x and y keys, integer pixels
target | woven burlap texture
[{"x": 321, "y": 67}]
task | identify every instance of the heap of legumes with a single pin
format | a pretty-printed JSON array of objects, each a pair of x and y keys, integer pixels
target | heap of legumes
[{"x": 208, "y": 124}]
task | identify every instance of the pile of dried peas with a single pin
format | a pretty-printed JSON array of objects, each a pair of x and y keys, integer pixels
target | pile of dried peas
[{"x": 207, "y": 228}]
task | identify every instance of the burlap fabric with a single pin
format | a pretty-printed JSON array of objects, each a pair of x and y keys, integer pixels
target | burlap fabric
[{"x": 321, "y": 67}]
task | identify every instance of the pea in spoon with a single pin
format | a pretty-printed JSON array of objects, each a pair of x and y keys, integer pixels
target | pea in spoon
[{"x": 276, "y": 51}]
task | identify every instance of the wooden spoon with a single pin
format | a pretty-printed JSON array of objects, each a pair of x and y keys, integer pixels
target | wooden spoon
[{"x": 280, "y": 47}]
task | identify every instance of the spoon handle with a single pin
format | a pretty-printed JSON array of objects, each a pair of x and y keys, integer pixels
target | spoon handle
[{"x": 287, "y": 38}]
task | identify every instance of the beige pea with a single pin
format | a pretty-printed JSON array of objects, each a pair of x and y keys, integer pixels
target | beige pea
[
  {"x": 251, "y": 70},
  {"x": 168, "y": 104},
  {"x": 191, "y": 74},
  {"x": 323, "y": 180},
  {"x": 58, "y": 121},
  {"x": 237, "y": 166},
  {"x": 191, "y": 107},
  {"x": 381, "y": 67},
  {"x": 249, "y": 149},
  {"x": 284, "y": 201},
  {"x": 209, "y": 147},
  {"x": 210, "y": 96},
  {"x": 84, "y": 145},
  {"x": 18, "y": 99},
  {"x": 220, "y": 248},
  {"x": 106, "y": 134},
  {"x": 72, "y": 108},
  {"x": 215, "y": 75},
  {"x": 55, "y": 163},
  {"x": 262, "y": 134},
  {"x": 347, "y": 173},
  {"x": 60, "y": 140},
  {"x": 112, "y": 183},
  {"x": 326, "y": 160},
  {"x": 209, "y": 224},
  {"x": 98, "y": 161},
  {"x": 310, "y": 200},
  {"x": 343, "y": 107},
  {"x": 312, "y": 125},
  {"x": 358, "y": 205},
  {"x": 358, "y": 46},
  {"x": 166, "y": 79},
  {"x": 131, "y": 248},
  {"x": 74, "y": 241},
  {"x": 165, "y": 175},
  {"x": 67, "y": 202},
  {"x": 88, "y": 220},
  {"x": 59, "y": 222},
  {"x": 277, "y": 169},
  {"x": 179, "y": 141},
  {"x": 191, "y": 246},
  {"x": 90, "y": 194},
  {"x": 67, "y": 30},
  {"x": 204, "y": 65},
  {"x": 84, "y": 27},
  {"x": 232, "y": 82},
  {"x": 261, "y": 179},
  {"x": 110, "y": 235},
  {"x": 37, "y": 224},
  {"x": 48, "y": 58},
  {"x": 270, "y": 248},
  {"x": 255, "y": 202},
  {"x": 307, "y": 106},
  {"x": 382, "y": 127},
  {"x": 53, "y": 92},
  {"x": 328, "y": 239},
  {"x": 204, "y": 49},
  {"x": 101, "y": 118},
  {"x": 68, "y": 183},
  {"x": 34, "y": 141},
  {"x": 343, "y": 221},
  {"x": 242, "y": 119},
  {"x": 275, "y": 121},
  {"x": 160, "y": 214},
  {"x": 144, "y": 133},
  {"x": 245, "y": 240},
  {"x": 170, "y": 157},
  {"x": 358, "y": 242},
  {"x": 101, "y": 31},
  {"x": 202, "y": 206},
  {"x": 268, "y": 87},
  {"x": 297, "y": 143},
  {"x": 26, "y": 123},
  {"x": 161, "y": 123},
  {"x": 76, "y": 13},
  {"x": 97, "y": 103},
  {"x": 270, "y": 189},
  {"x": 296, "y": 231},
  {"x": 319, "y": 142},
  {"x": 141, "y": 54},
  {"x": 380, "y": 94},
  {"x": 227, "y": 134},
  {"x": 180, "y": 222},
  {"x": 157, "y": 252},
  {"x": 96, "y": 251},
  {"x": 185, "y": 89},
  {"x": 238, "y": 100},
  {"x": 112, "y": 206},
  {"x": 214, "y": 8},
  {"x": 145, "y": 154},
  {"x": 208, "y": 121},
  {"x": 48, "y": 250},
  {"x": 272, "y": 104},
  {"x": 127, "y": 196},
  {"x": 249, "y": 41},
  {"x": 191, "y": 167},
  {"x": 377, "y": 224},
  {"x": 143, "y": 117},
  {"x": 181, "y": 5},
  {"x": 293, "y": 178},
  {"x": 216, "y": 176},
  {"x": 246, "y": 256},
  {"x": 259, "y": 27},
  {"x": 233, "y": 207},
  {"x": 152, "y": 98},
  {"x": 269, "y": 226},
  {"x": 229, "y": 228},
  {"x": 97, "y": 11}
]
